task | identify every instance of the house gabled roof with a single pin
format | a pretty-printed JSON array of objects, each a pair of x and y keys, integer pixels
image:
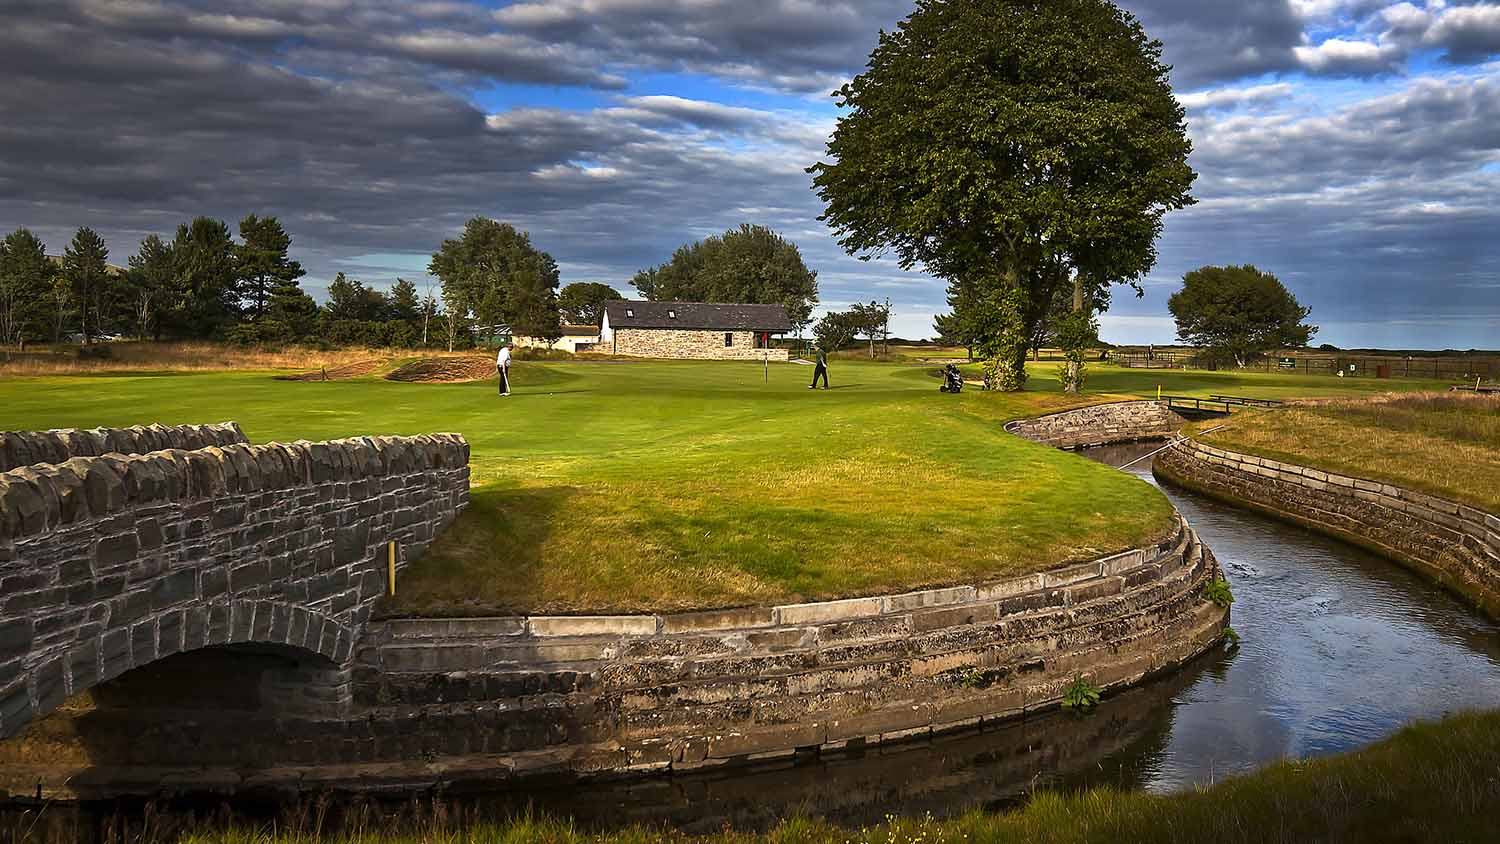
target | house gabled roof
[
  {"x": 580, "y": 330},
  {"x": 712, "y": 316}
]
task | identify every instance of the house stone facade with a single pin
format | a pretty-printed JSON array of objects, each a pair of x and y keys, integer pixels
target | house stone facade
[{"x": 692, "y": 330}]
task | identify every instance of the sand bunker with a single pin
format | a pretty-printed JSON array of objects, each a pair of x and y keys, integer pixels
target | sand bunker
[
  {"x": 447, "y": 370},
  {"x": 338, "y": 373}
]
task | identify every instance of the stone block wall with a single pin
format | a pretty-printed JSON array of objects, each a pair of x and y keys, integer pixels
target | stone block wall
[
  {"x": 688, "y": 344},
  {"x": 26, "y": 448},
  {"x": 111, "y": 562},
  {"x": 1456, "y": 545},
  {"x": 1101, "y": 424},
  {"x": 500, "y": 698}
]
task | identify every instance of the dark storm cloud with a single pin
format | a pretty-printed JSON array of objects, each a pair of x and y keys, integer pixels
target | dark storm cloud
[
  {"x": 132, "y": 132},
  {"x": 351, "y": 120}
]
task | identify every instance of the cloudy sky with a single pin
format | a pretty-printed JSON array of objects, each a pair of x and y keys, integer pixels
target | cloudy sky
[{"x": 1350, "y": 146}]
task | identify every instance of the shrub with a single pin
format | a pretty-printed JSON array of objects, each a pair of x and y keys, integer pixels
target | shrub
[
  {"x": 1218, "y": 591},
  {"x": 1081, "y": 697}
]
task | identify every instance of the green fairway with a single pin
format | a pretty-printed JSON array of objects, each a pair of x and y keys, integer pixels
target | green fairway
[{"x": 674, "y": 485}]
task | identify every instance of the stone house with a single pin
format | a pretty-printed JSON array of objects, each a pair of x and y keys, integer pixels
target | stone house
[
  {"x": 700, "y": 330},
  {"x": 575, "y": 338}
]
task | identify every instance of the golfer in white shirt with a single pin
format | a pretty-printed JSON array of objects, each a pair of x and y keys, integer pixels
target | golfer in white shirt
[{"x": 502, "y": 365}]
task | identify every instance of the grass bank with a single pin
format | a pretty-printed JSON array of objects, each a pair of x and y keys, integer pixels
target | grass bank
[
  {"x": 624, "y": 486},
  {"x": 1445, "y": 444},
  {"x": 1433, "y": 782}
]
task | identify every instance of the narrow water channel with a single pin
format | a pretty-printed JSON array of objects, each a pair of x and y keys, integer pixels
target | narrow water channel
[{"x": 1340, "y": 648}]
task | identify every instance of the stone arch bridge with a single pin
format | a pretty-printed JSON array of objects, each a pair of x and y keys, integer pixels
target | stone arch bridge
[{"x": 122, "y": 547}]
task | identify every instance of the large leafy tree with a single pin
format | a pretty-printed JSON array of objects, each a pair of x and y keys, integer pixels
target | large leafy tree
[
  {"x": 206, "y": 278},
  {"x": 582, "y": 302},
  {"x": 750, "y": 264},
  {"x": 1236, "y": 313},
  {"x": 1011, "y": 147},
  {"x": 25, "y": 287},
  {"x": 264, "y": 266},
  {"x": 493, "y": 274},
  {"x": 85, "y": 266}
]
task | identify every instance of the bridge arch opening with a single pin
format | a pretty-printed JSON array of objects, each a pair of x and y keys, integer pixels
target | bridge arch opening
[{"x": 218, "y": 706}]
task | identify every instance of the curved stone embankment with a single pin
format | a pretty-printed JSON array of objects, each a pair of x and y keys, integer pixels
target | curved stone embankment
[
  {"x": 1101, "y": 424},
  {"x": 1456, "y": 545},
  {"x": 471, "y": 700},
  {"x": 492, "y": 699}
]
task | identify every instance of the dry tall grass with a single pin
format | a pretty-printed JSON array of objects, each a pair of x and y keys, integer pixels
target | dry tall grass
[
  {"x": 1446, "y": 444},
  {"x": 183, "y": 357}
]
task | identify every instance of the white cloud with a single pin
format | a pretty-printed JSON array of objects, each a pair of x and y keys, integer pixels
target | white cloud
[
  {"x": 1338, "y": 55},
  {"x": 1232, "y": 97}
]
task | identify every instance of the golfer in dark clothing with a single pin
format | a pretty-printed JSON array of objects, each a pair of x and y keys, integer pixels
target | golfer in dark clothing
[{"x": 821, "y": 370}]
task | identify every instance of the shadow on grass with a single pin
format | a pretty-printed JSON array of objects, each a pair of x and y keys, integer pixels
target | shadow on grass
[{"x": 488, "y": 562}]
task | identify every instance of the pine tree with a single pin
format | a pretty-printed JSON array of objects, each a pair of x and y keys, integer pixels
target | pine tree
[
  {"x": 265, "y": 271},
  {"x": 149, "y": 282},
  {"x": 86, "y": 268},
  {"x": 25, "y": 287},
  {"x": 206, "y": 278}
]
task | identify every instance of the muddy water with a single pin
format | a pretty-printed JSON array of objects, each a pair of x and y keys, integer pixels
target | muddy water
[{"x": 1340, "y": 648}]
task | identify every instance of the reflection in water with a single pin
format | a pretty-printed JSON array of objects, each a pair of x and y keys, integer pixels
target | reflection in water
[{"x": 1340, "y": 649}]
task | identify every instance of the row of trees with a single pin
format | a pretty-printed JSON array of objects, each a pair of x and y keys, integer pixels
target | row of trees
[
  {"x": 203, "y": 284},
  {"x": 198, "y": 284}
]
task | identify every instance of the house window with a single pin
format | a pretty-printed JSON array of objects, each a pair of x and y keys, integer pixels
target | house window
[
  {"x": 630, "y": 312},
  {"x": 728, "y": 339},
  {"x": 671, "y": 315}
]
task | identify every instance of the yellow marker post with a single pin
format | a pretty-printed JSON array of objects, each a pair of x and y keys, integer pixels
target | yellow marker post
[
  {"x": 390, "y": 570},
  {"x": 1158, "y": 392}
]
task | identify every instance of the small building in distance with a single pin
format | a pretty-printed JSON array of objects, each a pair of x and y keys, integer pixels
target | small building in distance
[
  {"x": 701, "y": 330},
  {"x": 575, "y": 338}
]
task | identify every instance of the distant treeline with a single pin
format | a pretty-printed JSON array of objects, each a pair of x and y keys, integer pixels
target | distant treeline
[{"x": 202, "y": 284}]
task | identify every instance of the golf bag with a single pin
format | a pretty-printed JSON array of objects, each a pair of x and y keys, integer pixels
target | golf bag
[{"x": 953, "y": 380}]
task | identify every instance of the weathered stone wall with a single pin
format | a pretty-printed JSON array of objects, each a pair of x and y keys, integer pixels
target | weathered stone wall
[
  {"x": 111, "y": 562},
  {"x": 1456, "y": 545},
  {"x": 491, "y": 699},
  {"x": 688, "y": 343},
  {"x": 25, "y": 448},
  {"x": 1101, "y": 424}
]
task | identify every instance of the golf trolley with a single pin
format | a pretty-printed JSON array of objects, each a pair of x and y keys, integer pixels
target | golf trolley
[{"x": 953, "y": 380}]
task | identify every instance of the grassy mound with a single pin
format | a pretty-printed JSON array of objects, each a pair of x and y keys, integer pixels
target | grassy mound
[
  {"x": 446, "y": 370},
  {"x": 358, "y": 369}
]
